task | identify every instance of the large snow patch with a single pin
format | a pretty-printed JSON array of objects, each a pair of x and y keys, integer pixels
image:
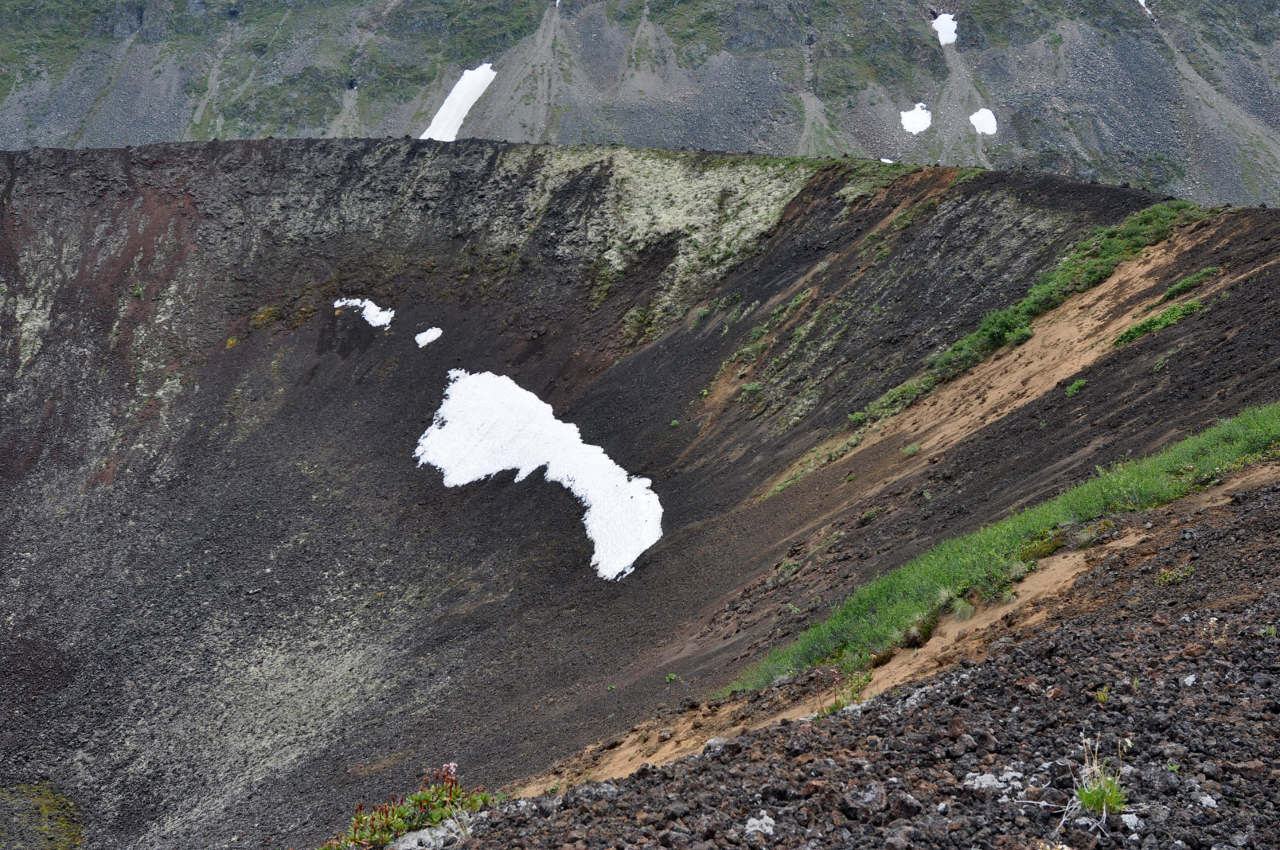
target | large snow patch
[
  {"x": 984, "y": 121},
  {"x": 373, "y": 314},
  {"x": 448, "y": 119},
  {"x": 917, "y": 120},
  {"x": 488, "y": 423},
  {"x": 945, "y": 25}
]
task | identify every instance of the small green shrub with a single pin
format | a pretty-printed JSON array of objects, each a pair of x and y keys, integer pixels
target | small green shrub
[
  {"x": 1174, "y": 575},
  {"x": 671, "y": 677},
  {"x": 1099, "y": 789},
  {"x": 847, "y": 692},
  {"x": 1170, "y": 316},
  {"x": 1076, "y": 387},
  {"x": 438, "y": 798},
  {"x": 961, "y": 609},
  {"x": 1104, "y": 795},
  {"x": 675, "y": 423},
  {"x": 870, "y": 514},
  {"x": 753, "y": 387},
  {"x": 911, "y": 450}
]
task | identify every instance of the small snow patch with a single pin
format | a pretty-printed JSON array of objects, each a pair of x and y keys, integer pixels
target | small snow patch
[
  {"x": 917, "y": 120},
  {"x": 488, "y": 423},
  {"x": 945, "y": 25},
  {"x": 886, "y": 161},
  {"x": 373, "y": 314},
  {"x": 984, "y": 121},
  {"x": 763, "y": 824},
  {"x": 1189, "y": 680},
  {"x": 1146, "y": 8},
  {"x": 448, "y": 119},
  {"x": 427, "y": 337}
]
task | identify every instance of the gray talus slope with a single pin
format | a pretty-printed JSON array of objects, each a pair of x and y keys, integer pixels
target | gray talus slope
[{"x": 1186, "y": 100}]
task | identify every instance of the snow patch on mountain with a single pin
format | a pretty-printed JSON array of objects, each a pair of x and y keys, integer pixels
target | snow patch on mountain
[
  {"x": 487, "y": 423},
  {"x": 427, "y": 337},
  {"x": 373, "y": 314},
  {"x": 945, "y": 25},
  {"x": 917, "y": 120},
  {"x": 448, "y": 119},
  {"x": 984, "y": 121}
]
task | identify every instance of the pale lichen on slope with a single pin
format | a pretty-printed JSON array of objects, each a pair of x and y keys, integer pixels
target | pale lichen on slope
[{"x": 717, "y": 207}]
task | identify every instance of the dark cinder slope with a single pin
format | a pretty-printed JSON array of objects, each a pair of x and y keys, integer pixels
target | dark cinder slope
[{"x": 235, "y": 607}]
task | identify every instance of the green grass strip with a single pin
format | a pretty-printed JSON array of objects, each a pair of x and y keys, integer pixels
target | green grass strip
[
  {"x": 880, "y": 612},
  {"x": 1090, "y": 262},
  {"x": 1189, "y": 283},
  {"x": 1170, "y": 316}
]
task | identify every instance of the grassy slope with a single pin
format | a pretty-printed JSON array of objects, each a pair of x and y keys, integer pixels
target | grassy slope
[{"x": 879, "y": 614}]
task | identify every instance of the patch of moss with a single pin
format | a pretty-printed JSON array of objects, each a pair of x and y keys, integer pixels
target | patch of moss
[
  {"x": 264, "y": 317},
  {"x": 34, "y": 816}
]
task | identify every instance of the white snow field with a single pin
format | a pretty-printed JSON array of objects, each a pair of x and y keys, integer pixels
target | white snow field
[
  {"x": 984, "y": 121},
  {"x": 373, "y": 314},
  {"x": 945, "y": 25},
  {"x": 427, "y": 337},
  {"x": 917, "y": 120},
  {"x": 466, "y": 91},
  {"x": 488, "y": 423}
]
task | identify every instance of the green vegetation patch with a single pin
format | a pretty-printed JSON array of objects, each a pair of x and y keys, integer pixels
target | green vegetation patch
[
  {"x": 1189, "y": 283},
  {"x": 438, "y": 799},
  {"x": 308, "y": 99},
  {"x": 1089, "y": 263},
  {"x": 879, "y": 614},
  {"x": 36, "y": 817},
  {"x": 1171, "y": 316},
  {"x": 864, "y": 177}
]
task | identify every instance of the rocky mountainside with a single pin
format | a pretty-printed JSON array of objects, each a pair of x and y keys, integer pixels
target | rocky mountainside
[
  {"x": 1172, "y": 95},
  {"x": 236, "y": 603},
  {"x": 1176, "y": 685}
]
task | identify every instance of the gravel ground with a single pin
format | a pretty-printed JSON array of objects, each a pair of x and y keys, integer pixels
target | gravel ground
[{"x": 1165, "y": 657}]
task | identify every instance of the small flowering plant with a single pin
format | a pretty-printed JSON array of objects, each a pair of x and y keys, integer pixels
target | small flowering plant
[{"x": 437, "y": 799}]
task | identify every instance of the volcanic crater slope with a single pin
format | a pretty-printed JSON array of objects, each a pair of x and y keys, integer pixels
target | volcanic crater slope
[
  {"x": 1176, "y": 683},
  {"x": 236, "y": 606}
]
